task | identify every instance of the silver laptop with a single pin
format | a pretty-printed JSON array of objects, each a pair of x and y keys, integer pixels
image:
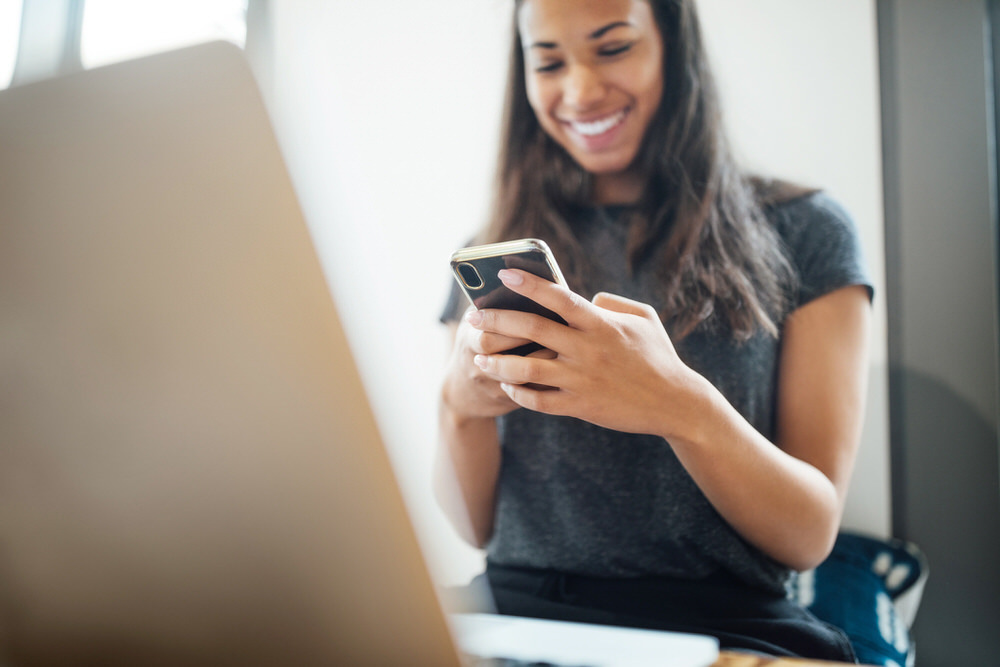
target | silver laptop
[{"x": 190, "y": 472}]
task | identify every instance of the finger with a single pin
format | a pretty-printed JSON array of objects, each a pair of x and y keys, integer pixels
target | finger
[
  {"x": 488, "y": 342},
  {"x": 543, "y": 353},
  {"x": 621, "y": 304},
  {"x": 577, "y": 311},
  {"x": 494, "y": 343},
  {"x": 540, "y": 399},
  {"x": 518, "y": 325},
  {"x": 518, "y": 370}
]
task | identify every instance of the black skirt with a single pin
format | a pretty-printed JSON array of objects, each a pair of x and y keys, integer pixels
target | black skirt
[{"x": 740, "y": 617}]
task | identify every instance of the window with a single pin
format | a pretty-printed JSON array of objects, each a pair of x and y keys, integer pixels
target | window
[
  {"x": 10, "y": 28},
  {"x": 115, "y": 30}
]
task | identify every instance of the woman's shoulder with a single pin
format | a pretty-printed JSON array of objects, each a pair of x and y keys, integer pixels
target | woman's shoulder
[
  {"x": 809, "y": 217},
  {"x": 822, "y": 241}
]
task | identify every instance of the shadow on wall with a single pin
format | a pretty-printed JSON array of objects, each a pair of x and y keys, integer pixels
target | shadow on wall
[{"x": 951, "y": 509}]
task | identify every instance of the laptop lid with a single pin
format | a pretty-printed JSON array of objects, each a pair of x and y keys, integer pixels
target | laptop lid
[{"x": 189, "y": 469}]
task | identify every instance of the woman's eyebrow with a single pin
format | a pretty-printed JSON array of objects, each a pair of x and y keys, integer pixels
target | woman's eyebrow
[
  {"x": 597, "y": 34},
  {"x": 600, "y": 32}
]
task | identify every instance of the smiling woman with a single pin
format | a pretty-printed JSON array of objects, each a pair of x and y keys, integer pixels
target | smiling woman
[
  {"x": 387, "y": 119},
  {"x": 690, "y": 430}
]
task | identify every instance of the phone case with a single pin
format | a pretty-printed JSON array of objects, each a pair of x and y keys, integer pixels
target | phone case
[{"x": 476, "y": 269}]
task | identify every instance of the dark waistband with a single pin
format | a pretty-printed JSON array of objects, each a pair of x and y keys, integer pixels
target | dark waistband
[
  {"x": 740, "y": 615},
  {"x": 527, "y": 578},
  {"x": 719, "y": 592}
]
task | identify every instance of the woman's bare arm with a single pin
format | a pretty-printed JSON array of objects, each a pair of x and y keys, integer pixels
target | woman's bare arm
[
  {"x": 616, "y": 367},
  {"x": 468, "y": 458}
]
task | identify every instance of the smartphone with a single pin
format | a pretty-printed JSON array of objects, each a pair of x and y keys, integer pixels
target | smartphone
[{"x": 476, "y": 268}]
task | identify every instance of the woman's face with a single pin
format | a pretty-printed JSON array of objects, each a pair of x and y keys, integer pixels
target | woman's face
[{"x": 594, "y": 76}]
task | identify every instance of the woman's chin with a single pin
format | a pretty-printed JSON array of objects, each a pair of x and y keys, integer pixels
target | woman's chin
[{"x": 608, "y": 164}]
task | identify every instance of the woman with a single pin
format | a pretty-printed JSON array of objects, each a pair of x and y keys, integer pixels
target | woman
[{"x": 686, "y": 440}]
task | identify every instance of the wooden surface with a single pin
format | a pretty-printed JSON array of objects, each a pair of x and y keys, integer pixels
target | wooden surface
[{"x": 729, "y": 659}]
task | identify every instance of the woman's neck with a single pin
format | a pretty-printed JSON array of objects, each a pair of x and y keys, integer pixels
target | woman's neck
[{"x": 620, "y": 188}]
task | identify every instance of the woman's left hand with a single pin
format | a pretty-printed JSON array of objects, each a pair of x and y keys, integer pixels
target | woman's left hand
[{"x": 614, "y": 364}]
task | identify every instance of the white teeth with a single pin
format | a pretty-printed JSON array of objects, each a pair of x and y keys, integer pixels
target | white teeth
[{"x": 598, "y": 126}]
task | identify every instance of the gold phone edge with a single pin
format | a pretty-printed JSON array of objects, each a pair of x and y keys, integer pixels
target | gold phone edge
[{"x": 506, "y": 247}]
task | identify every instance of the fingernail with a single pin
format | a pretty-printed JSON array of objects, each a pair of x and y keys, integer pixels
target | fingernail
[
  {"x": 474, "y": 318},
  {"x": 480, "y": 361},
  {"x": 510, "y": 277}
]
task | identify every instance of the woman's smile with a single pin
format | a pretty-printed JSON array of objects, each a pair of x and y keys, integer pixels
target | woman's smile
[{"x": 596, "y": 134}]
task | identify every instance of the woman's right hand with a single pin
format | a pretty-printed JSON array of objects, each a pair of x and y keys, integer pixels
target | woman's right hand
[{"x": 467, "y": 391}]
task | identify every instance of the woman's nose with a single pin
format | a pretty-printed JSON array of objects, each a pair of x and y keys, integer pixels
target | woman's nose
[{"x": 582, "y": 87}]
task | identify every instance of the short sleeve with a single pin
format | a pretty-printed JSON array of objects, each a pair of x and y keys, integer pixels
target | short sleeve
[{"x": 823, "y": 245}]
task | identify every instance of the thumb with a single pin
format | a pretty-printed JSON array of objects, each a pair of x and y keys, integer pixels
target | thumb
[{"x": 621, "y": 304}]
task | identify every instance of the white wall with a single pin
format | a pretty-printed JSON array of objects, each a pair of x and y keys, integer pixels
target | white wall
[{"x": 388, "y": 114}]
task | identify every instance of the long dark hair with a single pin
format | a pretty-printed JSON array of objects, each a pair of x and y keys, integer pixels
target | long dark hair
[{"x": 700, "y": 218}]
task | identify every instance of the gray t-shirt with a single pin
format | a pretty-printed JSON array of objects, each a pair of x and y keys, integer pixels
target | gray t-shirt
[{"x": 582, "y": 499}]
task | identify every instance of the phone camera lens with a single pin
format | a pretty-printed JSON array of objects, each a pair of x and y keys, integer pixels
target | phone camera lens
[{"x": 470, "y": 276}]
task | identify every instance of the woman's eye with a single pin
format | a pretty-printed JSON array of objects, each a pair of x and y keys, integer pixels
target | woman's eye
[
  {"x": 548, "y": 67},
  {"x": 615, "y": 50}
]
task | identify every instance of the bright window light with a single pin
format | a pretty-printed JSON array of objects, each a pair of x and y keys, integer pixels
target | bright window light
[
  {"x": 115, "y": 30},
  {"x": 10, "y": 30}
]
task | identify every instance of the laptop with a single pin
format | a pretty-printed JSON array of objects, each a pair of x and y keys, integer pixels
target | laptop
[{"x": 190, "y": 472}]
